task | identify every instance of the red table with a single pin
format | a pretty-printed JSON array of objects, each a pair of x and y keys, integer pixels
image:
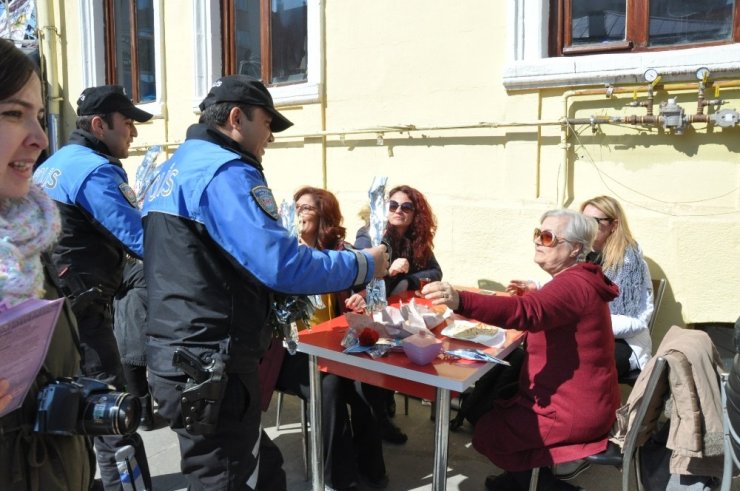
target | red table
[{"x": 395, "y": 372}]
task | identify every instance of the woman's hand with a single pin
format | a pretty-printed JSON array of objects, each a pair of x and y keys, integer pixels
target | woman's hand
[
  {"x": 520, "y": 287},
  {"x": 399, "y": 266},
  {"x": 5, "y": 395},
  {"x": 355, "y": 303},
  {"x": 442, "y": 293}
]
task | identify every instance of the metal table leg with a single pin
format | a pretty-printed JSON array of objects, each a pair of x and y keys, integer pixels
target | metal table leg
[
  {"x": 441, "y": 438},
  {"x": 317, "y": 453}
]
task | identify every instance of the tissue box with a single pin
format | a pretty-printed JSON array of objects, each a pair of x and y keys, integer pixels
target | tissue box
[{"x": 421, "y": 349}]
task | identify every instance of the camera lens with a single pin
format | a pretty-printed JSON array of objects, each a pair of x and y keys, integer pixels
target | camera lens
[{"x": 111, "y": 413}]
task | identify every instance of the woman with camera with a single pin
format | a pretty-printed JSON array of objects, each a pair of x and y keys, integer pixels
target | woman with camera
[{"x": 29, "y": 225}]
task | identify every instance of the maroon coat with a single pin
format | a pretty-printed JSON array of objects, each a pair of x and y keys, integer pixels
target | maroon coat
[{"x": 568, "y": 391}]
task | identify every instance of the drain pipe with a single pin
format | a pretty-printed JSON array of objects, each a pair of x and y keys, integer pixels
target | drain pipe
[{"x": 48, "y": 35}]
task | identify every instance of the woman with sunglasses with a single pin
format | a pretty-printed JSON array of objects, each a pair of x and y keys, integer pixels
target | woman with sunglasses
[
  {"x": 352, "y": 447},
  {"x": 622, "y": 261},
  {"x": 566, "y": 399},
  {"x": 410, "y": 233},
  {"x": 30, "y": 225}
]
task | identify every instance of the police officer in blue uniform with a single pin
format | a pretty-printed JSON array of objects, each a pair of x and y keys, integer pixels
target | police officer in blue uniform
[
  {"x": 215, "y": 254},
  {"x": 101, "y": 225}
]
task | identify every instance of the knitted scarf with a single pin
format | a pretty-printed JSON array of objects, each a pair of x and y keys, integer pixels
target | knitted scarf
[
  {"x": 28, "y": 226},
  {"x": 631, "y": 280}
]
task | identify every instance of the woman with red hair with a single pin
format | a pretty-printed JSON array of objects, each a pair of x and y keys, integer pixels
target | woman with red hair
[
  {"x": 352, "y": 446},
  {"x": 410, "y": 233}
]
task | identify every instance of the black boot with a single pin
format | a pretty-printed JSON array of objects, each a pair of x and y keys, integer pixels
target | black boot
[{"x": 146, "y": 423}]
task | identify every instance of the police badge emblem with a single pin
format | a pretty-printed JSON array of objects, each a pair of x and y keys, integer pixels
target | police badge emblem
[
  {"x": 128, "y": 193},
  {"x": 264, "y": 198}
]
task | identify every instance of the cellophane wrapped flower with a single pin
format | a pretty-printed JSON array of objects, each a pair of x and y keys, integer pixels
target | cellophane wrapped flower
[
  {"x": 376, "y": 296},
  {"x": 288, "y": 310},
  {"x": 146, "y": 173}
]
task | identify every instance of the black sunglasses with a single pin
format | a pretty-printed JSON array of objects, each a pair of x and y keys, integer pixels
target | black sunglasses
[{"x": 406, "y": 207}]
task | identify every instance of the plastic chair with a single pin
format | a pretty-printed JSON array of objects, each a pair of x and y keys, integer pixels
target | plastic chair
[
  {"x": 304, "y": 428},
  {"x": 731, "y": 422},
  {"x": 658, "y": 290},
  {"x": 644, "y": 424}
]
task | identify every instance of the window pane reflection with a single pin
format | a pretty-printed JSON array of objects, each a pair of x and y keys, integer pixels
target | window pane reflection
[
  {"x": 289, "y": 40},
  {"x": 247, "y": 37},
  {"x": 595, "y": 22},
  {"x": 145, "y": 50},
  {"x": 123, "y": 44},
  {"x": 690, "y": 21}
]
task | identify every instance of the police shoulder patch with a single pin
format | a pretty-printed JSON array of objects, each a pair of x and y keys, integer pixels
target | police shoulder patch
[
  {"x": 264, "y": 198},
  {"x": 128, "y": 193}
]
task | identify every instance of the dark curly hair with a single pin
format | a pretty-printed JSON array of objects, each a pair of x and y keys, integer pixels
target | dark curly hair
[
  {"x": 418, "y": 241},
  {"x": 331, "y": 232}
]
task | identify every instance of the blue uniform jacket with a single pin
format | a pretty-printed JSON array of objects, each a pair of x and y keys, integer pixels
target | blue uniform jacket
[
  {"x": 216, "y": 251},
  {"x": 100, "y": 221}
]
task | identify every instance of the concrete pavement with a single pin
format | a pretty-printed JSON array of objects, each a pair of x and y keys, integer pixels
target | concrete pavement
[{"x": 409, "y": 465}]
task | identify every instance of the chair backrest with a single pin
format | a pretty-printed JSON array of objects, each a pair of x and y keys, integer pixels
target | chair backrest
[
  {"x": 658, "y": 290},
  {"x": 646, "y": 419},
  {"x": 731, "y": 421}
]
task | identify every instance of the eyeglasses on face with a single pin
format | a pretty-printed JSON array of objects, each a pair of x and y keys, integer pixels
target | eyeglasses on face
[
  {"x": 305, "y": 209},
  {"x": 406, "y": 207},
  {"x": 547, "y": 238},
  {"x": 600, "y": 220}
]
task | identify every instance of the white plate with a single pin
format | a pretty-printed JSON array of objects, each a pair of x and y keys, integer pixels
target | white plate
[{"x": 458, "y": 326}]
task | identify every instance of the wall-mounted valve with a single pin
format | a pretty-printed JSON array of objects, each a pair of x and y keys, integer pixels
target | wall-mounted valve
[
  {"x": 673, "y": 116},
  {"x": 725, "y": 118}
]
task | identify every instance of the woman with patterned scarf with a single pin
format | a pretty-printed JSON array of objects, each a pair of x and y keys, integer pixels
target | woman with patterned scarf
[
  {"x": 622, "y": 261},
  {"x": 29, "y": 225}
]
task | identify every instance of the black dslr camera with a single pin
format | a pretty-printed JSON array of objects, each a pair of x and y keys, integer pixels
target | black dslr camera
[{"x": 85, "y": 406}]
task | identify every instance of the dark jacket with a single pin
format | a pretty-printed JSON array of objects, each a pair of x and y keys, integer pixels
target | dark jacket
[
  {"x": 431, "y": 270},
  {"x": 130, "y": 313},
  {"x": 66, "y": 462}
]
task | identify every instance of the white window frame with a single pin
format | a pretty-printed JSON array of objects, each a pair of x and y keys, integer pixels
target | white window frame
[
  {"x": 207, "y": 51},
  {"x": 92, "y": 41},
  {"x": 528, "y": 65}
]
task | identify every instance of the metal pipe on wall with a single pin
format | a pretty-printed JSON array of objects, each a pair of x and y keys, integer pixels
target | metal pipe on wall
[{"x": 48, "y": 34}]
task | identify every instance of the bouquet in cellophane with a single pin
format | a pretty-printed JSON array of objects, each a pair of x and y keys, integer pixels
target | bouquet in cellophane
[
  {"x": 146, "y": 173},
  {"x": 376, "y": 296},
  {"x": 287, "y": 309}
]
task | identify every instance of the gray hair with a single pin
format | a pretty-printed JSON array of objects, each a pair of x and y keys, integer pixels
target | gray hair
[{"x": 579, "y": 229}]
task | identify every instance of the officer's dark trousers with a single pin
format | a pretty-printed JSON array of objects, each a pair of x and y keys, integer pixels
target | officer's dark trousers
[
  {"x": 238, "y": 455},
  {"x": 348, "y": 447},
  {"x": 102, "y": 361}
]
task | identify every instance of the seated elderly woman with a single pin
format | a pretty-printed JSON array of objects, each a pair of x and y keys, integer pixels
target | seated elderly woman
[{"x": 567, "y": 393}]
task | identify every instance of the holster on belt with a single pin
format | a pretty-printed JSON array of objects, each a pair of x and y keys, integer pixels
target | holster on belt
[{"x": 204, "y": 391}]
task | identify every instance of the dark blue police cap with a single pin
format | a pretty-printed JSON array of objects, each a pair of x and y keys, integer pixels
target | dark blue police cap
[
  {"x": 249, "y": 91},
  {"x": 107, "y": 99}
]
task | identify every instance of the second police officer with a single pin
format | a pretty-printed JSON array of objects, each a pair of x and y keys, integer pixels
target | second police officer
[
  {"x": 215, "y": 254},
  {"x": 100, "y": 226}
]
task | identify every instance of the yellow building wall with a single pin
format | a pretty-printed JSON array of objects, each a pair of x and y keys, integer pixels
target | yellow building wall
[{"x": 438, "y": 65}]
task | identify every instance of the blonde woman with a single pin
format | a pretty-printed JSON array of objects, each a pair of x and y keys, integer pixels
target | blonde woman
[{"x": 622, "y": 262}]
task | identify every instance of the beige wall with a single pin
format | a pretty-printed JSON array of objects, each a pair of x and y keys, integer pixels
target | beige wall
[{"x": 432, "y": 63}]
